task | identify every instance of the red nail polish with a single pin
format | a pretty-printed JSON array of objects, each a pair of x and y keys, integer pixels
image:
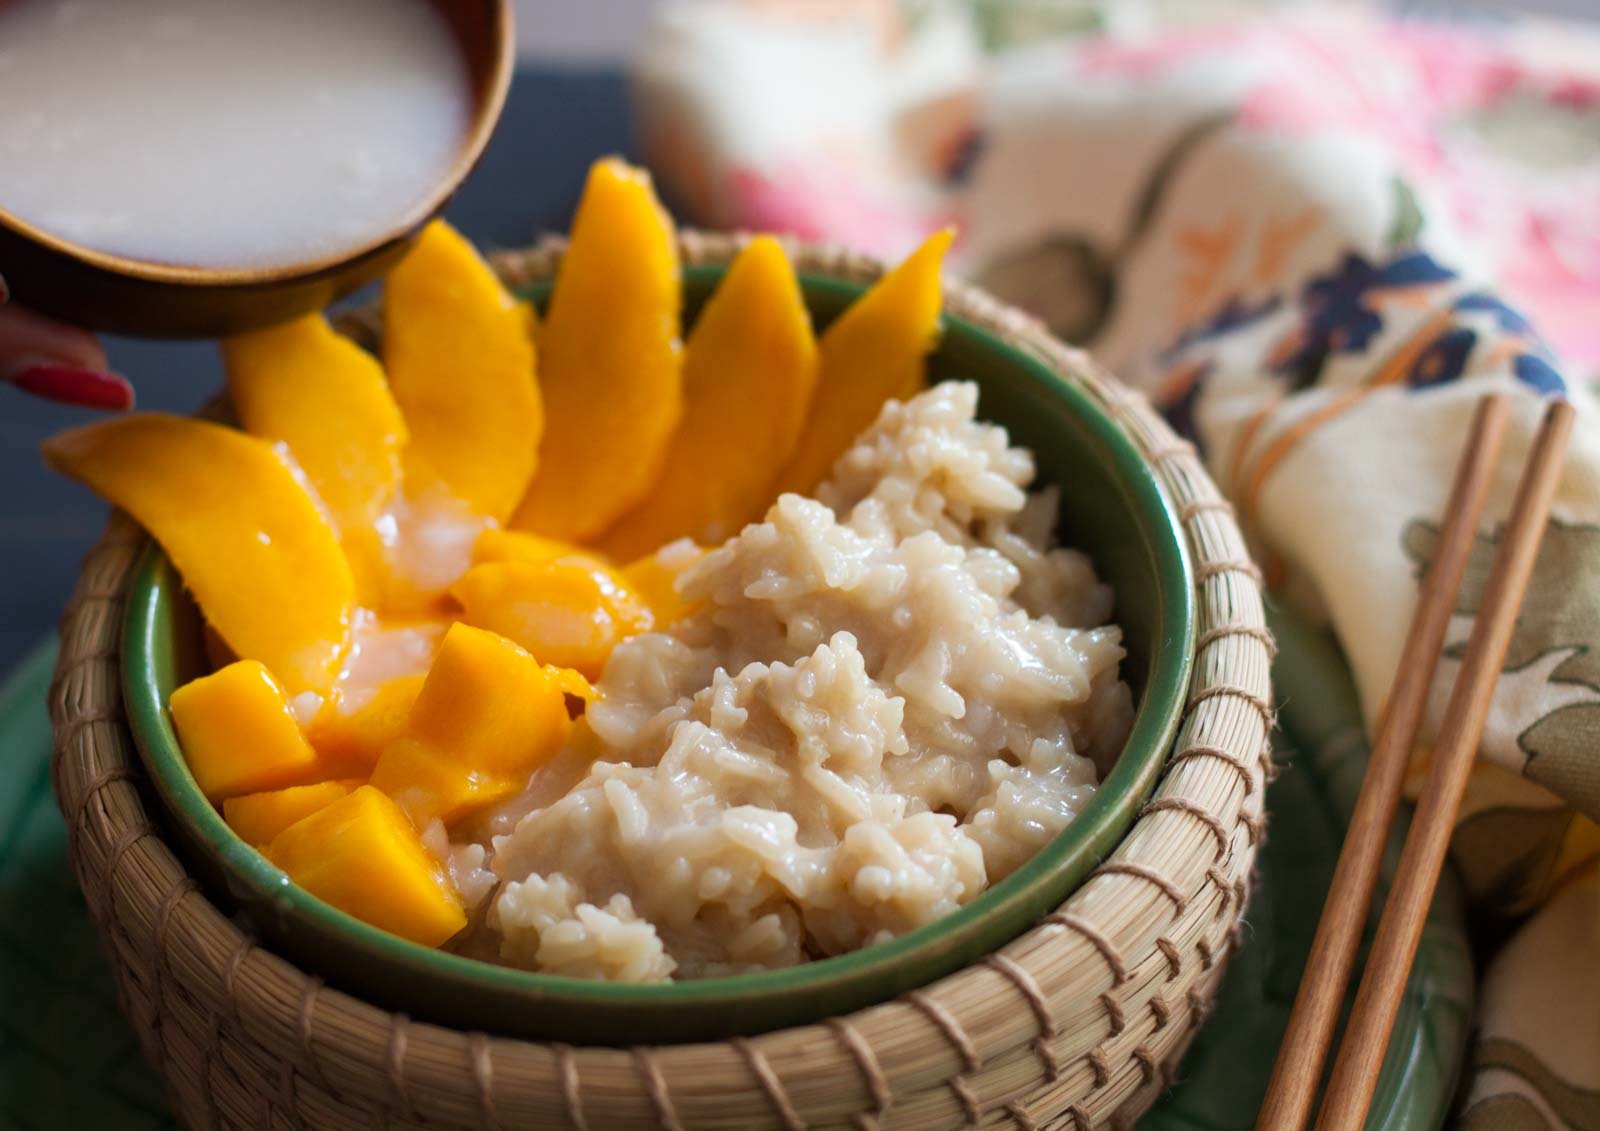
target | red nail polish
[{"x": 71, "y": 384}]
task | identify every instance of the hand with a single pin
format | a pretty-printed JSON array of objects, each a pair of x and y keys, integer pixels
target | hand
[{"x": 58, "y": 362}]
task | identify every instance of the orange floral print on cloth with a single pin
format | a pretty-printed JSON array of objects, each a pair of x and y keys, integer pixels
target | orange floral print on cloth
[{"x": 1313, "y": 240}]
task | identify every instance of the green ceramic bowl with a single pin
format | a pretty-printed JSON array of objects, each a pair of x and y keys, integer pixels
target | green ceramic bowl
[{"x": 1111, "y": 507}]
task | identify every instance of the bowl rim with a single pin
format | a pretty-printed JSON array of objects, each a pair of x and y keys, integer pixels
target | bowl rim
[
  {"x": 488, "y": 98},
  {"x": 1158, "y": 716}
]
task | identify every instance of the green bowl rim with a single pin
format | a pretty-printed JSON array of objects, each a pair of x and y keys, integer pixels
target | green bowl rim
[{"x": 1157, "y": 718}]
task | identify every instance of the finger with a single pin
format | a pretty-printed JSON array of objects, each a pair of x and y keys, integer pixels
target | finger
[
  {"x": 57, "y": 361},
  {"x": 27, "y": 334},
  {"x": 69, "y": 384}
]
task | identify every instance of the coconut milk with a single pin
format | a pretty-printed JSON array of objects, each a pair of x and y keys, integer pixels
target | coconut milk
[{"x": 226, "y": 133}]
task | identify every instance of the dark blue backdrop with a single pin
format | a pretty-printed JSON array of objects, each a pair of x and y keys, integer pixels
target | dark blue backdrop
[{"x": 555, "y": 123}]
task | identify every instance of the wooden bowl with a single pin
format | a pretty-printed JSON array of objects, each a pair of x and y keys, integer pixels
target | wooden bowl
[{"x": 159, "y": 300}]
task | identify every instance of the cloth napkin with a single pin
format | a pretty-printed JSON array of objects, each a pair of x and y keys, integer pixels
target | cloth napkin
[{"x": 1314, "y": 239}]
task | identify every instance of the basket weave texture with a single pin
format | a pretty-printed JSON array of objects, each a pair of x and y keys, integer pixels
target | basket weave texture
[{"x": 1076, "y": 1024}]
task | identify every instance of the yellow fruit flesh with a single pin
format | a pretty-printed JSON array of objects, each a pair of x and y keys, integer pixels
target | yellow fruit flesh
[
  {"x": 259, "y": 817},
  {"x": 262, "y": 561},
  {"x": 461, "y": 363},
  {"x": 326, "y": 398},
  {"x": 570, "y": 612},
  {"x": 238, "y": 733},
  {"x": 487, "y": 716},
  {"x": 749, "y": 370},
  {"x": 656, "y": 583},
  {"x": 496, "y": 545},
  {"x": 428, "y": 785},
  {"x": 490, "y": 706},
  {"x": 610, "y": 360},
  {"x": 874, "y": 352},
  {"x": 362, "y": 855},
  {"x": 357, "y": 736}
]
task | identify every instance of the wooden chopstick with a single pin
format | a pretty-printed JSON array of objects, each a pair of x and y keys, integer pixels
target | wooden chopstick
[
  {"x": 1298, "y": 1069},
  {"x": 1366, "y": 1036}
]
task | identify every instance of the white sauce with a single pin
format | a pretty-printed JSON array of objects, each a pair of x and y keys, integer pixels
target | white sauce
[{"x": 225, "y": 133}]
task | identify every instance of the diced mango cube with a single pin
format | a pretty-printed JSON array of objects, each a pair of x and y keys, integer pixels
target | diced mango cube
[
  {"x": 567, "y": 611},
  {"x": 354, "y": 728},
  {"x": 238, "y": 733},
  {"x": 489, "y": 706},
  {"x": 259, "y": 817},
  {"x": 428, "y": 784},
  {"x": 656, "y": 582},
  {"x": 363, "y": 855}
]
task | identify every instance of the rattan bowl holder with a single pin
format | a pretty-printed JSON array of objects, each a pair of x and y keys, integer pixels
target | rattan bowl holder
[{"x": 1077, "y": 1024}]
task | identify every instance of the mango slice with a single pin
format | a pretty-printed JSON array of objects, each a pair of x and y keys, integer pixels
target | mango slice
[
  {"x": 259, "y": 556},
  {"x": 428, "y": 785},
  {"x": 355, "y": 734},
  {"x": 362, "y": 855},
  {"x": 308, "y": 387},
  {"x": 461, "y": 364},
  {"x": 495, "y": 545},
  {"x": 238, "y": 733},
  {"x": 656, "y": 583},
  {"x": 570, "y": 612},
  {"x": 611, "y": 362},
  {"x": 873, "y": 352},
  {"x": 489, "y": 706},
  {"x": 530, "y": 322},
  {"x": 259, "y": 817},
  {"x": 749, "y": 370}
]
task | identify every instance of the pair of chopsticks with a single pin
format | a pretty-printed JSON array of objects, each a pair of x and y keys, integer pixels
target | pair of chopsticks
[{"x": 1316, "y": 1007}]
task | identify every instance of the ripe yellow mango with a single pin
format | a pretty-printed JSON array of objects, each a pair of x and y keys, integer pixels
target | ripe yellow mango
[
  {"x": 238, "y": 734},
  {"x": 489, "y": 706},
  {"x": 259, "y": 817},
  {"x": 611, "y": 362},
  {"x": 315, "y": 390},
  {"x": 569, "y": 612},
  {"x": 355, "y": 733},
  {"x": 495, "y": 545},
  {"x": 749, "y": 370},
  {"x": 259, "y": 556},
  {"x": 572, "y": 683},
  {"x": 462, "y": 367},
  {"x": 873, "y": 352},
  {"x": 530, "y": 321},
  {"x": 656, "y": 583},
  {"x": 429, "y": 785},
  {"x": 362, "y": 855}
]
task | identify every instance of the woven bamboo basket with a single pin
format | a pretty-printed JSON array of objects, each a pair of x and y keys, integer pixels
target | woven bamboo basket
[{"x": 1076, "y": 1024}]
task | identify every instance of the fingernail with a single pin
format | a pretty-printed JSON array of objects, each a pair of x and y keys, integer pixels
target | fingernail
[{"x": 72, "y": 384}]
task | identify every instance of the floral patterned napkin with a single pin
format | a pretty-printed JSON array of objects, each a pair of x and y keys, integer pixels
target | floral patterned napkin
[{"x": 1313, "y": 238}]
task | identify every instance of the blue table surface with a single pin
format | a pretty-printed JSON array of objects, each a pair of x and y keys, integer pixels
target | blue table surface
[{"x": 556, "y": 122}]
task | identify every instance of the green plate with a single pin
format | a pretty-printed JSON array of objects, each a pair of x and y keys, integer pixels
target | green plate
[
  {"x": 67, "y": 1060},
  {"x": 1113, "y": 509}
]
